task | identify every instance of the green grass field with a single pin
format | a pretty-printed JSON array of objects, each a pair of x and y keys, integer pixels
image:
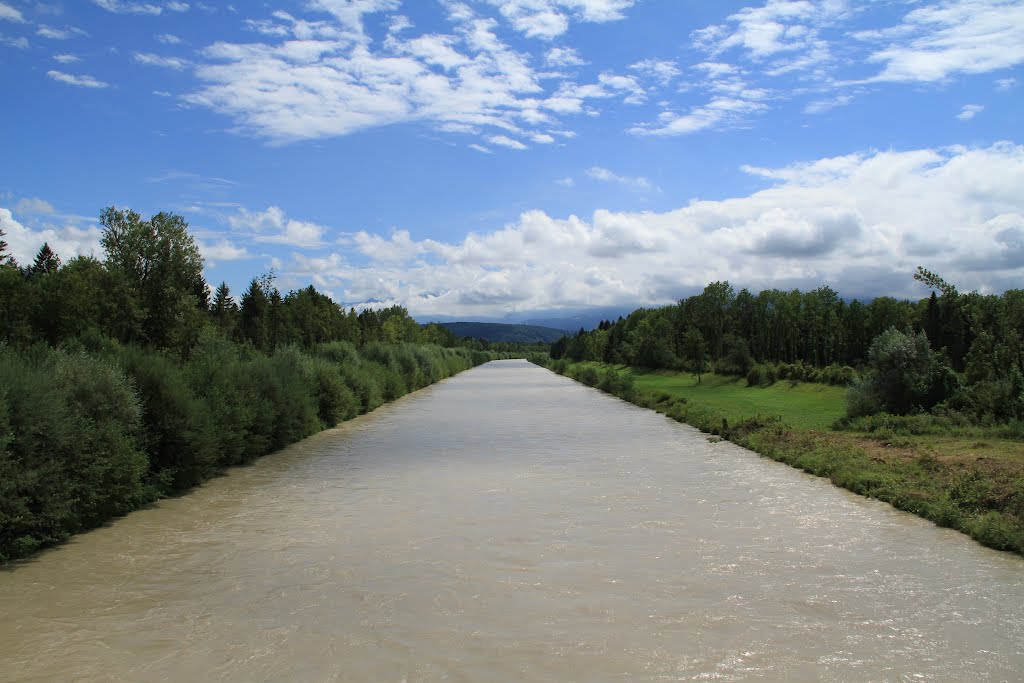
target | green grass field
[
  {"x": 800, "y": 405},
  {"x": 971, "y": 480}
]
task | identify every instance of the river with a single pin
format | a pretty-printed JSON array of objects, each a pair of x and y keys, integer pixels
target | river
[{"x": 509, "y": 524}]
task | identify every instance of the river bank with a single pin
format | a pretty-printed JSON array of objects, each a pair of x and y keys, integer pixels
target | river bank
[
  {"x": 505, "y": 525},
  {"x": 971, "y": 481},
  {"x": 87, "y": 435}
]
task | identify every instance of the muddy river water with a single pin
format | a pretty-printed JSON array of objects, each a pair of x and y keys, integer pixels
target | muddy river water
[{"x": 511, "y": 525}]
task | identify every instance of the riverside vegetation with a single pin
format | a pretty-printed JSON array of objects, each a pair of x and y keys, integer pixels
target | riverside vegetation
[
  {"x": 919, "y": 404},
  {"x": 121, "y": 382}
]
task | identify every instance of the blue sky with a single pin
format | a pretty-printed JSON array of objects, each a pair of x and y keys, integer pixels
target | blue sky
[{"x": 480, "y": 158}]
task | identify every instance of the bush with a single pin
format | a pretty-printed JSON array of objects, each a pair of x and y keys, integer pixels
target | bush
[
  {"x": 334, "y": 399},
  {"x": 588, "y": 375},
  {"x": 177, "y": 432},
  {"x": 902, "y": 375},
  {"x": 69, "y": 453}
]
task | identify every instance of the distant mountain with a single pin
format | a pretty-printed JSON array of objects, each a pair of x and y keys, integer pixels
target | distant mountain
[
  {"x": 568, "y": 319},
  {"x": 501, "y": 332},
  {"x": 572, "y": 321}
]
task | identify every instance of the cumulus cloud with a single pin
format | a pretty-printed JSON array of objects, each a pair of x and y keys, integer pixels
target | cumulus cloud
[
  {"x": 563, "y": 56},
  {"x": 274, "y": 226},
  {"x": 67, "y": 239},
  {"x": 34, "y": 206},
  {"x": 221, "y": 250},
  {"x": 860, "y": 223},
  {"x": 548, "y": 19},
  {"x": 663, "y": 70}
]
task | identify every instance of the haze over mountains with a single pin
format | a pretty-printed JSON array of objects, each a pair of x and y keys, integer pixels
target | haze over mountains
[
  {"x": 567, "y": 320},
  {"x": 501, "y": 332}
]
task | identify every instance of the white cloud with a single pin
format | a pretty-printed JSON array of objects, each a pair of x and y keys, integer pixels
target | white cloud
[
  {"x": 822, "y": 106},
  {"x": 563, "y": 56},
  {"x": 663, "y": 71},
  {"x": 718, "y": 112},
  {"x": 775, "y": 31},
  {"x": 66, "y": 58},
  {"x": 150, "y": 59},
  {"x": 168, "y": 39},
  {"x": 566, "y": 182},
  {"x": 8, "y": 13},
  {"x": 481, "y": 148},
  {"x": 604, "y": 175},
  {"x": 969, "y": 111},
  {"x": 126, "y": 7},
  {"x": 548, "y": 19},
  {"x": 834, "y": 45},
  {"x": 1004, "y": 84},
  {"x": 67, "y": 240},
  {"x": 505, "y": 141},
  {"x": 935, "y": 42},
  {"x": 859, "y": 223},
  {"x": 34, "y": 206},
  {"x": 53, "y": 33},
  {"x": 83, "y": 81},
  {"x": 273, "y": 226},
  {"x": 316, "y": 79},
  {"x": 222, "y": 250},
  {"x": 20, "y": 42}
]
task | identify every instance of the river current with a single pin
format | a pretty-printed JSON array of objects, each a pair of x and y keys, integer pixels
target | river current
[{"x": 509, "y": 524}]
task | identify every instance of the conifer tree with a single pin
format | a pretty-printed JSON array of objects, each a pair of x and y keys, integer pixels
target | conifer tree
[{"x": 46, "y": 261}]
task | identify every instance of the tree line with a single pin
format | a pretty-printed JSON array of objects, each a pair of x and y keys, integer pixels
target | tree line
[
  {"x": 122, "y": 382},
  {"x": 952, "y": 352}
]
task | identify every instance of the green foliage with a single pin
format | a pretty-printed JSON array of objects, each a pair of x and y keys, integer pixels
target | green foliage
[
  {"x": 932, "y": 280},
  {"x": 695, "y": 351},
  {"x": 86, "y": 435},
  {"x": 501, "y": 332},
  {"x": 69, "y": 447},
  {"x": 46, "y": 262},
  {"x": 120, "y": 383},
  {"x": 156, "y": 267},
  {"x": 987, "y": 504},
  {"x": 901, "y": 376},
  {"x": 177, "y": 431}
]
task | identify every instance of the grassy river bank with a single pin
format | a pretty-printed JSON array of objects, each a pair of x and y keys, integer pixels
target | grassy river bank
[{"x": 966, "y": 478}]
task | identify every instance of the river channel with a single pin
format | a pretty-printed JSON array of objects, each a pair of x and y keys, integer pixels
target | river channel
[{"x": 509, "y": 524}]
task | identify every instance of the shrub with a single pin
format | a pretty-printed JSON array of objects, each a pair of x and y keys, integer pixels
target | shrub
[
  {"x": 176, "y": 426},
  {"x": 335, "y": 401},
  {"x": 69, "y": 455},
  {"x": 902, "y": 375}
]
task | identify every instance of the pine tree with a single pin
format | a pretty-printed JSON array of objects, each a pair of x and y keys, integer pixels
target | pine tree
[
  {"x": 3, "y": 248},
  {"x": 46, "y": 261},
  {"x": 224, "y": 308}
]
